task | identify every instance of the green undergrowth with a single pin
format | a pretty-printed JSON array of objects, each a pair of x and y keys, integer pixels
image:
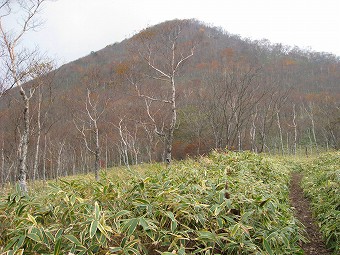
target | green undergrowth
[
  {"x": 184, "y": 209},
  {"x": 321, "y": 184}
]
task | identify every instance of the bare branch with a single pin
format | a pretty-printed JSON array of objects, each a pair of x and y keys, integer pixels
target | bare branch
[
  {"x": 183, "y": 59},
  {"x": 82, "y": 132},
  {"x": 158, "y": 70}
]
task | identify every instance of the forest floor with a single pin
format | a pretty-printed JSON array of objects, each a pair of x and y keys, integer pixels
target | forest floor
[{"x": 315, "y": 246}]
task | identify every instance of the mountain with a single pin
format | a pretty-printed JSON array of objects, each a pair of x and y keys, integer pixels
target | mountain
[
  {"x": 217, "y": 43},
  {"x": 232, "y": 92}
]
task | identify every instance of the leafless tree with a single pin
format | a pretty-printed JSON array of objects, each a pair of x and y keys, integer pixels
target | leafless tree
[
  {"x": 295, "y": 130},
  {"x": 89, "y": 122},
  {"x": 5, "y": 10},
  {"x": 310, "y": 111},
  {"x": 233, "y": 93},
  {"x": 280, "y": 129},
  {"x": 60, "y": 148},
  {"x": 165, "y": 53},
  {"x": 253, "y": 130},
  {"x": 16, "y": 64},
  {"x": 42, "y": 77}
]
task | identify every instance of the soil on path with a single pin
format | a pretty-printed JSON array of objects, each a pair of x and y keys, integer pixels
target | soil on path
[{"x": 315, "y": 246}]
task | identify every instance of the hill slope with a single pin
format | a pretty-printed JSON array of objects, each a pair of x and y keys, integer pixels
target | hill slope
[{"x": 233, "y": 92}]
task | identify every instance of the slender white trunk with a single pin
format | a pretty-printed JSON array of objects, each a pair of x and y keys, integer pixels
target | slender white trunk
[
  {"x": 253, "y": 132},
  {"x": 124, "y": 145},
  {"x": 51, "y": 166},
  {"x": 106, "y": 153},
  {"x": 9, "y": 172},
  {"x": 310, "y": 141},
  {"x": 170, "y": 135},
  {"x": 314, "y": 136},
  {"x": 44, "y": 159},
  {"x": 280, "y": 131},
  {"x": 334, "y": 140},
  {"x": 327, "y": 144},
  {"x": 74, "y": 161},
  {"x": 60, "y": 151},
  {"x": 239, "y": 140},
  {"x": 287, "y": 143},
  {"x": 37, "y": 146},
  {"x": 120, "y": 155},
  {"x": 311, "y": 116},
  {"x": 82, "y": 157},
  {"x": 295, "y": 129},
  {"x": 2, "y": 173},
  {"x": 24, "y": 143},
  {"x": 97, "y": 152}
]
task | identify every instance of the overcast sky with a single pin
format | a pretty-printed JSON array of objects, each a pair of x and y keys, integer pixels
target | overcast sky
[{"x": 74, "y": 28}]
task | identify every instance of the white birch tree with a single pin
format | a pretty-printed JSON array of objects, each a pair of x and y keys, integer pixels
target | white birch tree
[
  {"x": 165, "y": 53},
  {"x": 16, "y": 63}
]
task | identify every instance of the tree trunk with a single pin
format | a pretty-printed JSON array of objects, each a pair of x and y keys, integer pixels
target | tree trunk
[
  {"x": 239, "y": 140},
  {"x": 314, "y": 136},
  {"x": 97, "y": 153},
  {"x": 253, "y": 132},
  {"x": 106, "y": 153},
  {"x": 263, "y": 141},
  {"x": 37, "y": 147},
  {"x": 327, "y": 143},
  {"x": 168, "y": 148},
  {"x": 295, "y": 129},
  {"x": 287, "y": 147},
  {"x": 82, "y": 158},
  {"x": 280, "y": 131},
  {"x": 74, "y": 162},
  {"x": 310, "y": 141},
  {"x": 124, "y": 145},
  {"x": 24, "y": 144},
  {"x": 59, "y": 158},
  {"x": 44, "y": 160},
  {"x": 2, "y": 173},
  {"x": 170, "y": 136}
]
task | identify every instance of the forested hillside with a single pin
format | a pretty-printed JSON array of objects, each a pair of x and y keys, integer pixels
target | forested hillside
[{"x": 175, "y": 89}]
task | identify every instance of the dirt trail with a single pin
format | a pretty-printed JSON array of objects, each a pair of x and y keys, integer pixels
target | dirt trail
[{"x": 302, "y": 210}]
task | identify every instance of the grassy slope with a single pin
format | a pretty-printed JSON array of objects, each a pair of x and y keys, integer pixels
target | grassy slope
[{"x": 182, "y": 209}]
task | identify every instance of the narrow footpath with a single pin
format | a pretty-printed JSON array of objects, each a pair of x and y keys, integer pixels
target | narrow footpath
[{"x": 315, "y": 246}]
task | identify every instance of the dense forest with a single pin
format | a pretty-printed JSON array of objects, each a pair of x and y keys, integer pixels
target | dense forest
[{"x": 177, "y": 89}]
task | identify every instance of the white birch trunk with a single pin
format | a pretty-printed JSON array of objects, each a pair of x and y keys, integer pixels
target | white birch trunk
[
  {"x": 24, "y": 143},
  {"x": 44, "y": 160},
  {"x": 295, "y": 129},
  {"x": 2, "y": 173},
  {"x": 96, "y": 152},
  {"x": 253, "y": 132},
  {"x": 170, "y": 136},
  {"x": 280, "y": 131},
  {"x": 37, "y": 146},
  {"x": 60, "y": 151}
]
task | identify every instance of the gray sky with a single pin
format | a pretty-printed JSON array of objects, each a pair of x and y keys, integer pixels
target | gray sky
[{"x": 74, "y": 28}]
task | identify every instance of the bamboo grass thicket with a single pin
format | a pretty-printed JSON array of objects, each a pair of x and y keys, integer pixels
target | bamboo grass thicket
[{"x": 180, "y": 209}]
